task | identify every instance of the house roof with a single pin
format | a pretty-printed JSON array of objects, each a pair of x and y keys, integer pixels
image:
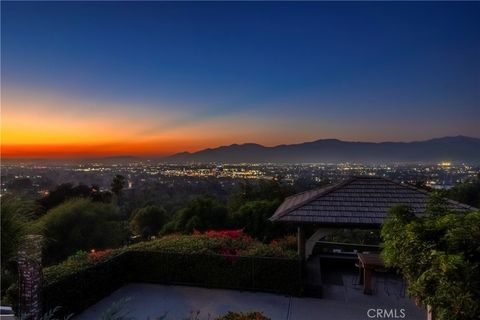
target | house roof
[{"x": 362, "y": 201}]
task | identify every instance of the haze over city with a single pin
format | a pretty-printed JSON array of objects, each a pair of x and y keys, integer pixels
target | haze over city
[{"x": 153, "y": 79}]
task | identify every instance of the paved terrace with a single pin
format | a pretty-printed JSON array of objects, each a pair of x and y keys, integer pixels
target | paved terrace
[{"x": 340, "y": 302}]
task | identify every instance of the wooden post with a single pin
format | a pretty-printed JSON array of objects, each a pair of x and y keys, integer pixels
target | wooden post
[
  {"x": 367, "y": 280},
  {"x": 360, "y": 274},
  {"x": 301, "y": 243}
]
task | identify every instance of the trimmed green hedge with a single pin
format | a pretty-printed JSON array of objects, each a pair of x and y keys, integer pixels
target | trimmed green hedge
[
  {"x": 77, "y": 290},
  {"x": 250, "y": 273},
  {"x": 203, "y": 244}
]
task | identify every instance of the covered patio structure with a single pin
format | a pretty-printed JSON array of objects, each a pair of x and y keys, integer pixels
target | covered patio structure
[{"x": 356, "y": 203}]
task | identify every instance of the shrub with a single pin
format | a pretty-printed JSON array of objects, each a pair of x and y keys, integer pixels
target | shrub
[
  {"x": 215, "y": 242},
  {"x": 80, "y": 224},
  {"x": 438, "y": 256},
  {"x": 233, "y": 234},
  {"x": 253, "y": 217},
  {"x": 81, "y": 260},
  {"x": 75, "y": 286},
  {"x": 201, "y": 213},
  {"x": 467, "y": 192},
  {"x": 148, "y": 221},
  {"x": 67, "y": 191},
  {"x": 197, "y": 244}
]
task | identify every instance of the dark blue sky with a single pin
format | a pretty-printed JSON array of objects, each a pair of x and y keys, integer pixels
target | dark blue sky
[{"x": 301, "y": 71}]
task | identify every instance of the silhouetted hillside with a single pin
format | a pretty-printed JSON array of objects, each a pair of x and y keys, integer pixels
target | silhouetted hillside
[{"x": 455, "y": 149}]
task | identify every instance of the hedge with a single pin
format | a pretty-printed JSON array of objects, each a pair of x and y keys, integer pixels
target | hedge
[
  {"x": 82, "y": 288},
  {"x": 76, "y": 291},
  {"x": 217, "y": 243}
]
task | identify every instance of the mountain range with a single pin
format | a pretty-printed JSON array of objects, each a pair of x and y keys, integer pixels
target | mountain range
[{"x": 458, "y": 149}]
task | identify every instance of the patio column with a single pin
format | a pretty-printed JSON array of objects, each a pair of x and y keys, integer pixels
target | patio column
[
  {"x": 312, "y": 241},
  {"x": 301, "y": 243}
]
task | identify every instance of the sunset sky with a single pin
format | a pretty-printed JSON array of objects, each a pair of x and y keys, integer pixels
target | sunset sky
[{"x": 149, "y": 79}]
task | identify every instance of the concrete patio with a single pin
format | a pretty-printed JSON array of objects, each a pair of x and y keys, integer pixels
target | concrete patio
[{"x": 150, "y": 301}]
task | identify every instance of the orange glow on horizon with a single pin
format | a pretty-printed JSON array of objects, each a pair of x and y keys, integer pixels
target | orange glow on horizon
[
  {"x": 38, "y": 125},
  {"x": 46, "y": 125},
  {"x": 67, "y": 151}
]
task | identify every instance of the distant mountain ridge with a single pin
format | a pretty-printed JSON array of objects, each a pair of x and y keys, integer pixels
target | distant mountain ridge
[{"x": 456, "y": 149}]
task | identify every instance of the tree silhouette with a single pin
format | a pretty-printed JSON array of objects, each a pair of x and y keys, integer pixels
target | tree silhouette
[
  {"x": 80, "y": 224},
  {"x": 148, "y": 221},
  {"x": 118, "y": 183},
  {"x": 201, "y": 213}
]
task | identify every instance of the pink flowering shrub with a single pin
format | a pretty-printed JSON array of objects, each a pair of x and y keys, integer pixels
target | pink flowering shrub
[
  {"x": 232, "y": 234},
  {"x": 232, "y": 242},
  {"x": 229, "y": 243},
  {"x": 224, "y": 242}
]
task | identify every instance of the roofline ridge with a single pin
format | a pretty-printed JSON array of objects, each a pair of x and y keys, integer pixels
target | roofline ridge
[
  {"x": 330, "y": 188},
  {"x": 338, "y": 185},
  {"x": 410, "y": 186},
  {"x": 306, "y": 191},
  {"x": 462, "y": 204}
]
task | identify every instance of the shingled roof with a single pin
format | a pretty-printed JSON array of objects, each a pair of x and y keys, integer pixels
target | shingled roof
[{"x": 358, "y": 201}]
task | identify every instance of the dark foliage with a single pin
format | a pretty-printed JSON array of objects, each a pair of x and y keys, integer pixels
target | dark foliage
[
  {"x": 148, "y": 221},
  {"x": 20, "y": 184},
  {"x": 80, "y": 224},
  {"x": 467, "y": 192},
  {"x": 438, "y": 256},
  {"x": 117, "y": 185},
  {"x": 66, "y": 191},
  {"x": 253, "y": 217},
  {"x": 201, "y": 213},
  {"x": 272, "y": 190},
  {"x": 254, "y": 203}
]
